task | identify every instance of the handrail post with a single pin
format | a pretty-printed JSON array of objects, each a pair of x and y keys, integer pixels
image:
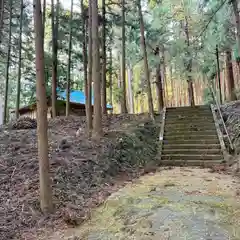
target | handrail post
[{"x": 222, "y": 120}]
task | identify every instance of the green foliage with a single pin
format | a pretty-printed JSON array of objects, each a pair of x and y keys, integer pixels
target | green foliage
[
  {"x": 207, "y": 96},
  {"x": 209, "y": 24}
]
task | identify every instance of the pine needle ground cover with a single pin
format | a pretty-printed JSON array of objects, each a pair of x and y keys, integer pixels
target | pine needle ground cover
[{"x": 83, "y": 172}]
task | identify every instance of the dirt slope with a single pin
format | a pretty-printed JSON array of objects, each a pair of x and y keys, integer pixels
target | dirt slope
[{"x": 83, "y": 172}]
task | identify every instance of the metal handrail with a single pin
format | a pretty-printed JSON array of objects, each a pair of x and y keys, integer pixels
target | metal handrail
[{"x": 220, "y": 113}]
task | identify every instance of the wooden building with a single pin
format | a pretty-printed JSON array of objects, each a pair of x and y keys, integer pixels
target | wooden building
[{"x": 77, "y": 106}]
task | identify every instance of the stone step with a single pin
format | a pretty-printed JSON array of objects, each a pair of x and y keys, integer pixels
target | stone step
[
  {"x": 197, "y": 120},
  {"x": 189, "y": 121},
  {"x": 191, "y": 137},
  {"x": 192, "y": 116},
  {"x": 187, "y": 112},
  {"x": 172, "y": 142},
  {"x": 191, "y": 151},
  {"x": 191, "y": 146},
  {"x": 184, "y": 132},
  {"x": 187, "y": 108},
  {"x": 206, "y": 163},
  {"x": 189, "y": 126},
  {"x": 185, "y": 157}
]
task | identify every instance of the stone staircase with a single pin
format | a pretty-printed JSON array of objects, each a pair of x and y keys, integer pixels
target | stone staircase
[{"x": 190, "y": 138}]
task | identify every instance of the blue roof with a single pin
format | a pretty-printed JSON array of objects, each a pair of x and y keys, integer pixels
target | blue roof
[{"x": 76, "y": 96}]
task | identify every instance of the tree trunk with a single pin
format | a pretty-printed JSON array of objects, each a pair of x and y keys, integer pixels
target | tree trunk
[
  {"x": 143, "y": 44},
  {"x": 237, "y": 19},
  {"x": 44, "y": 19},
  {"x": 2, "y": 5},
  {"x": 19, "y": 62},
  {"x": 172, "y": 83},
  {"x": 54, "y": 57},
  {"x": 97, "y": 118},
  {"x": 230, "y": 78},
  {"x": 164, "y": 76},
  {"x": 189, "y": 66},
  {"x": 5, "y": 113},
  {"x": 130, "y": 93},
  {"x": 219, "y": 75},
  {"x": 84, "y": 49},
  {"x": 42, "y": 124},
  {"x": 159, "y": 88},
  {"x": 104, "y": 60},
  {"x": 89, "y": 80},
  {"x": 119, "y": 84},
  {"x": 141, "y": 103},
  {"x": 110, "y": 78},
  {"x": 124, "y": 98},
  {"x": 69, "y": 63}
]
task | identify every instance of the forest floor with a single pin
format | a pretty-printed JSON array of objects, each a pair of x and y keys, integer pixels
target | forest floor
[
  {"x": 171, "y": 204},
  {"x": 83, "y": 172}
]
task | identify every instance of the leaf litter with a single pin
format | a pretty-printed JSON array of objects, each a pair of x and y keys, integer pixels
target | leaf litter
[{"x": 83, "y": 172}]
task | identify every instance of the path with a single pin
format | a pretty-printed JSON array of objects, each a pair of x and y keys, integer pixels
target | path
[{"x": 176, "y": 204}]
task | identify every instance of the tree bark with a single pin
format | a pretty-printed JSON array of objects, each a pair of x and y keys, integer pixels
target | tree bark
[
  {"x": 5, "y": 113},
  {"x": 124, "y": 98},
  {"x": 42, "y": 124},
  {"x": 104, "y": 60},
  {"x": 44, "y": 19},
  {"x": 164, "y": 75},
  {"x": 19, "y": 61},
  {"x": 172, "y": 83},
  {"x": 119, "y": 84},
  {"x": 230, "y": 78},
  {"x": 111, "y": 78},
  {"x": 84, "y": 49},
  {"x": 69, "y": 63},
  {"x": 143, "y": 44},
  {"x": 189, "y": 66},
  {"x": 97, "y": 118},
  {"x": 2, "y": 5},
  {"x": 219, "y": 75},
  {"x": 130, "y": 92},
  {"x": 89, "y": 80},
  {"x": 54, "y": 56},
  {"x": 159, "y": 88}
]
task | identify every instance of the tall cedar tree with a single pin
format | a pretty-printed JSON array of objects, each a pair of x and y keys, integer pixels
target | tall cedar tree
[
  {"x": 19, "y": 61},
  {"x": 111, "y": 73},
  {"x": 104, "y": 60},
  {"x": 189, "y": 65},
  {"x": 231, "y": 96},
  {"x": 146, "y": 69},
  {"x": 42, "y": 124},
  {"x": 5, "y": 113},
  {"x": 89, "y": 79},
  {"x": 97, "y": 120},
  {"x": 2, "y": 5},
  {"x": 55, "y": 23},
  {"x": 124, "y": 98},
  {"x": 159, "y": 88},
  {"x": 84, "y": 50},
  {"x": 69, "y": 62}
]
